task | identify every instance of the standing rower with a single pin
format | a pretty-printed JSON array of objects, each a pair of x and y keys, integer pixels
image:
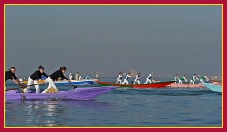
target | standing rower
[
  {"x": 71, "y": 76},
  {"x": 77, "y": 76},
  {"x": 138, "y": 76},
  {"x": 194, "y": 78},
  {"x": 182, "y": 79},
  {"x": 176, "y": 78},
  {"x": 37, "y": 75},
  {"x": 149, "y": 78},
  {"x": 126, "y": 78},
  {"x": 88, "y": 76},
  {"x": 204, "y": 77},
  {"x": 119, "y": 79},
  {"x": 59, "y": 74},
  {"x": 11, "y": 75}
]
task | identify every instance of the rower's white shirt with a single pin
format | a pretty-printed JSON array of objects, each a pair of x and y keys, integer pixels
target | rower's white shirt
[
  {"x": 137, "y": 77},
  {"x": 185, "y": 79},
  {"x": 119, "y": 77},
  {"x": 127, "y": 77},
  {"x": 150, "y": 75},
  {"x": 194, "y": 78},
  {"x": 176, "y": 77}
]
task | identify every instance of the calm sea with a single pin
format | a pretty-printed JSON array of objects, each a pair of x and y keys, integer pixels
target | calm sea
[{"x": 122, "y": 107}]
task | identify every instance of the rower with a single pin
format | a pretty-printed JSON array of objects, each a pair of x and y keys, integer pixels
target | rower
[
  {"x": 204, "y": 77},
  {"x": 11, "y": 75},
  {"x": 149, "y": 78},
  {"x": 77, "y": 76},
  {"x": 138, "y": 76},
  {"x": 80, "y": 77},
  {"x": 70, "y": 76},
  {"x": 126, "y": 78},
  {"x": 194, "y": 78},
  {"x": 119, "y": 79},
  {"x": 97, "y": 76},
  {"x": 88, "y": 77},
  {"x": 182, "y": 79},
  {"x": 59, "y": 74},
  {"x": 37, "y": 75},
  {"x": 176, "y": 78}
]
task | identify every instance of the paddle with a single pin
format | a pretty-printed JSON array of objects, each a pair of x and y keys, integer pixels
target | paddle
[
  {"x": 21, "y": 86},
  {"x": 74, "y": 86}
]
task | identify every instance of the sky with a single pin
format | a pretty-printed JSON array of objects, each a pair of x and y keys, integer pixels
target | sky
[{"x": 109, "y": 39}]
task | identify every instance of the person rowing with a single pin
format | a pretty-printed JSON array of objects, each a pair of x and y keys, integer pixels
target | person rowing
[
  {"x": 80, "y": 77},
  {"x": 71, "y": 76},
  {"x": 182, "y": 79},
  {"x": 126, "y": 78},
  {"x": 97, "y": 76},
  {"x": 119, "y": 79},
  {"x": 149, "y": 78},
  {"x": 59, "y": 74},
  {"x": 137, "y": 79},
  {"x": 37, "y": 75},
  {"x": 88, "y": 77},
  {"x": 11, "y": 75},
  {"x": 176, "y": 78},
  {"x": 77, "y": 76},
  {"x": 204, "y": 77},
  {"x": 194, "y": 78}
]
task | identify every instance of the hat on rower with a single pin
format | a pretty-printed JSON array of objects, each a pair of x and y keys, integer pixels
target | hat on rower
[
  {"x": 63, "y": 68},
  {"x": 12, "y": 68},
  {"x": 41, "y": 67}
]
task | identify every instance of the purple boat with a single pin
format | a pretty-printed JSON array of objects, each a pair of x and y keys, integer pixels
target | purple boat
[{"x": 76, "y": 94}]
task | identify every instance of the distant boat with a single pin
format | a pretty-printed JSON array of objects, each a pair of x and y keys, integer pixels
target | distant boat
[
  {"x": 152, "y": 85},
  {"x": 76, "y": 82},
  {"x": 213, "y": 87},
  {"x": 76, "y": 94},
  {"x": 217, "y": 83}
]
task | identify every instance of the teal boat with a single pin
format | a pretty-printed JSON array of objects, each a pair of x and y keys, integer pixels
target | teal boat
[{"x": 213, "y": 87}]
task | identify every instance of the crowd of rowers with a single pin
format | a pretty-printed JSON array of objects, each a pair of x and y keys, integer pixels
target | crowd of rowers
[
  {"x": 59, "y": 74},
  {"x": 36, "y": 76},
  {"x": 120, "y": 79},
  {"x": 183, "y": 79},
  {"x": 149, "y": 79}
]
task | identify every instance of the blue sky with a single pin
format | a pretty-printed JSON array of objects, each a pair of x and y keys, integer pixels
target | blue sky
[{"x": 110, "y": 39}]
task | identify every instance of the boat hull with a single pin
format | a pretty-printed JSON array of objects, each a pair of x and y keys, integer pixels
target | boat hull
[
  {"x": 75, "y": 82},
  {"x": 152, "y": 85},
  {"x": 213, "y": 87},
  {"x": 186, "y": 85},
  {"x": 76, "y": 94}
]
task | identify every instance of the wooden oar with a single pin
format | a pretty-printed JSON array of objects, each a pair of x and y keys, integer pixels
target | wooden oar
[
  {"x": 74, "y": 86},
  {"x": 21, "y": 87},
  {"x": 26, "y": 81}
]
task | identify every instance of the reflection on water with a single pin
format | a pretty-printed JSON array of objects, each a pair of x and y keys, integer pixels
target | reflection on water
[{"x": 47, "y": 113}]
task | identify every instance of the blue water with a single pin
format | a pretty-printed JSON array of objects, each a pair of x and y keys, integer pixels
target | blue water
[{"x": 122, "y": 107}]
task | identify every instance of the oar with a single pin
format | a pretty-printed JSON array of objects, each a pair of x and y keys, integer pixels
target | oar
[
  {"x": 74, "y": 86},
  {"x": 22, "y": 87}
]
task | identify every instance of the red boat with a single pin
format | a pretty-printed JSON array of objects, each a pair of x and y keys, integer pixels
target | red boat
[{"x": 152, "y": 85}]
